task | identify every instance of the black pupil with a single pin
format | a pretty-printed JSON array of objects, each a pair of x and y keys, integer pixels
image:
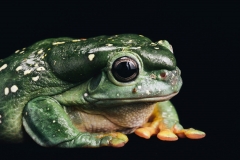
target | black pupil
[{"x": 125, "y": 69}]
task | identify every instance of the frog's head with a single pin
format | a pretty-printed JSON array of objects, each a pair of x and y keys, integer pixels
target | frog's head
[
  {"x": 123, "y": 69},
  {"x": 146, "y": 75},
  {"x": 119, "y": 77}
]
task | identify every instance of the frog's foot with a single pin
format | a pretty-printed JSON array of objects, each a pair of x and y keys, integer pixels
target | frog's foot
[
  {"x": 148, "y": 129},
  {"x": 94, "y": 140},
  {"x": 115, "y": 139},
  {"x": 190, "y": 133},
  {"x": 166, "y": 133}
]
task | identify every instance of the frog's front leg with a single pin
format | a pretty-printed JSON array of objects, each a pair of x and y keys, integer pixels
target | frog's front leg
[
  {"x": 48, "y": 124},
  {"x": 165, "y": 123}
]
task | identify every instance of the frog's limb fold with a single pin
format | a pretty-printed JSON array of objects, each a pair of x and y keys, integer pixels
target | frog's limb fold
[
  {"x": 165, "y": 123},
  {"x": 47, "y": 123}
]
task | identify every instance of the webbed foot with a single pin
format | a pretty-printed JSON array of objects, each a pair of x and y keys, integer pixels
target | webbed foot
[
  {"x": 168, "y": 134},
  {"x": 165, "y": 124}
]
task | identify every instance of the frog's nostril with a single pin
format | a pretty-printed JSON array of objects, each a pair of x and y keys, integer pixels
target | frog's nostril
[{"x": 163, "y": 74}]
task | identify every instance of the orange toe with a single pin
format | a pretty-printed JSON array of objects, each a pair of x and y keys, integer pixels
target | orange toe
[
  {"x": 194, "y": 134},
  {"x": 167, "y": 135}
]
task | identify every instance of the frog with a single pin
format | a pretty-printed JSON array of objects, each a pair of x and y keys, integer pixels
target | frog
[{"x": 77, "y": 92}]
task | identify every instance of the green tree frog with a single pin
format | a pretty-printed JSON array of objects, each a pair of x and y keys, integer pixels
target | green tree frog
[{"x": 69, "y": 93}]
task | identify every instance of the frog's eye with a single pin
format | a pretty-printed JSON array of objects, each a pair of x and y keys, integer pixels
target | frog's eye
[{"x": 125, "y": 69}]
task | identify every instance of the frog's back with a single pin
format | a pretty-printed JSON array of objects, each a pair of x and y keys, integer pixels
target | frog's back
[{"x": 23, "y": 76}]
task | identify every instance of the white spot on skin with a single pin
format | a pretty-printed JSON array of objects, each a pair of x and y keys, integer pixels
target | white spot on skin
[
  {"x": 138, "y": 47},
  {"x": 19, "y": 68},
  {"x": 40, "y": 69},
  {"x": 14, "y": 88},
  {"x": 153, "y": 44},
  {"x": 164, "y": 114},
  {"x": 76, "y": 40},
  {"x": 35, "y": 78},
  {"x": 0, "y": 121},
  {"x": 139, "y": 87},
  {"x": 22, "y": 52},
  {"x": 6, "y": 91},
  {"x": 17, "y": 51},
  {"x": 156, "y": 48},
  {"x": 117, "y": 94},
  {"x": 41, "y": 51},
  {"x": 130, "y": 41},
  {"x": 57, "y": 43},
  {"x": 54, "y": 121},
  {"x": 147, "y": 91},
  {"x": 0, "y": 116},
  {"x": 85, "y": 94},
  {"x": 26, "y": 113},
  {"x": 3, "y": 67},
  {"x": 160, "y": 42},
  {"x": 27, "y": 72},
  {"x": 30, "y": 61},
  {"x": 153, "y": 76},
  {"x": 91, "y": 56},
  {"x": 109, "y": 44}
]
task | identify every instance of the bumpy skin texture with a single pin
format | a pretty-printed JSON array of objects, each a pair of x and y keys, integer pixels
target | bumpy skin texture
[{"x": 64, "y": 92}]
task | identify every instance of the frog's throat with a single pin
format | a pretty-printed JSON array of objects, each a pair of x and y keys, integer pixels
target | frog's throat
[{"x": 133, "y": 100}]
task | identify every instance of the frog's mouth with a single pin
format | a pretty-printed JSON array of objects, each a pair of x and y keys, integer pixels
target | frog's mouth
[{"x": 121, "y": 101}]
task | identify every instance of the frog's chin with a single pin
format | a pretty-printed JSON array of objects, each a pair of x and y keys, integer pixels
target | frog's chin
[{"x": 104, "y": 102}]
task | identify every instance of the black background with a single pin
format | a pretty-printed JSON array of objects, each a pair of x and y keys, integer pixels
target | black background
[{"x": 204, "y": 38}]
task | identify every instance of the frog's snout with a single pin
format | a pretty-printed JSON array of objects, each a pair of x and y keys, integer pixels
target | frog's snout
[
  {"x": 168, "y": 76},
  {"x": 172, "y": 78}
]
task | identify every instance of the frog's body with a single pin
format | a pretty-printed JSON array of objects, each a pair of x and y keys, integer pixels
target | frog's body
[{"x": 87, "y": 92}]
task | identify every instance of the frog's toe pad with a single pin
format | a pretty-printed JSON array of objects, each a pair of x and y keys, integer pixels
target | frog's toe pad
[
  {"x": 167, "y": 135},
  {"x": 118, "y": 140},
  {"x": 113, "y": 139},
  {"x": 145, "y": 132},
  {"x": 194, "y": 134}
]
